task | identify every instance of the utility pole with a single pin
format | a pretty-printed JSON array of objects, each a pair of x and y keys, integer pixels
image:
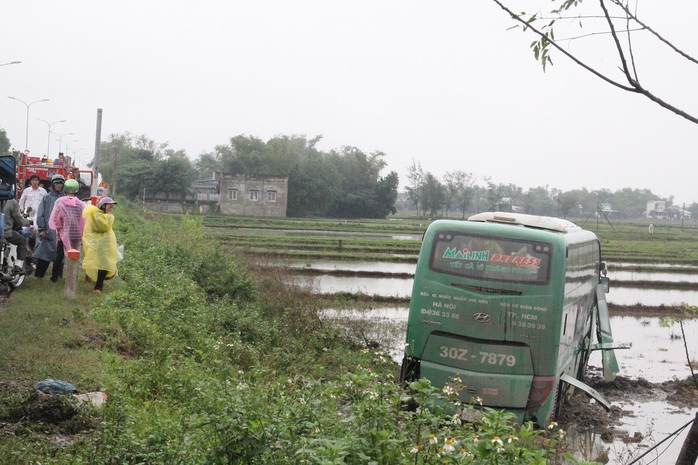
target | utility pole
[
  {"x": 95, "y": 160},
  {"x": 113, "y": 179}
]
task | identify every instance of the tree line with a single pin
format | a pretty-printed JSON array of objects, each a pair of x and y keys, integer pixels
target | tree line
[
  {"x": 344, "y": 183},
  {"x": 459, "y": 193}
]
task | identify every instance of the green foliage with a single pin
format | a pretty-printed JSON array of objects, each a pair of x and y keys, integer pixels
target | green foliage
[
  {"x": 133, "y": 163},
  {"x": 4, "y": 143},
  {"x": 343, "y": 183},
  {"x": 312, "y": 184},
  {"x": 433, "y": 195}
]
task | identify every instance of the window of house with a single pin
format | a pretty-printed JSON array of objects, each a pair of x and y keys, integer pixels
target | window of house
[
  {"x": 232, "y": 194},
  {"x": 254, "y": 195},
  {"x": 271, "y": 196}
]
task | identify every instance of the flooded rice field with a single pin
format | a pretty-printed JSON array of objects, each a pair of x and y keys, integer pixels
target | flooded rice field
[
  {"x": 644, "y": 411},
  {"x": 402, "y": 287},
  {"x": 657, "y": 356}
]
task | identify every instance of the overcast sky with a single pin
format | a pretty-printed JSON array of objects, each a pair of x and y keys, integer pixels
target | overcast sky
[{"x": 441, "y": 82}]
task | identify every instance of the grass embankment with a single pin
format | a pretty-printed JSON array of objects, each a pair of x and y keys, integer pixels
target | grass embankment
[{"x": 205, "y": 363}]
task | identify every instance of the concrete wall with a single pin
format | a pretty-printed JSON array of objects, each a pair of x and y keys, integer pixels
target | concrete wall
[
  {"x": 164, "y": 207},
  {"x": 254, "y": 195}
]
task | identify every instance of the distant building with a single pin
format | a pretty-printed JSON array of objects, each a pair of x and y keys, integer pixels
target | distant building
[
  {"x": 655, "y": 209},
  {"x": 606, "y": 209},
  {"x": 242, "y": 194},
  {"x": 249, "y": 194},
  {"x": 659, "y": 209}
]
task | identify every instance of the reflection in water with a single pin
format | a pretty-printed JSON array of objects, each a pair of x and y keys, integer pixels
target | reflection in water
[
  {"x": 657, "y": 355},
  {"x": 354, "y": 265},
  {"x": 654, "y": 276},
  {"x": 395, "y": 287}
]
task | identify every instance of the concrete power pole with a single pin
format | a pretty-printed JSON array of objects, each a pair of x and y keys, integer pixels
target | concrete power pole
[{"x": 95, "y": 160}]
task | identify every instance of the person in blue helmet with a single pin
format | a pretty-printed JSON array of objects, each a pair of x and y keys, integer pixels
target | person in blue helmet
[{"x": 47, "y": 244}]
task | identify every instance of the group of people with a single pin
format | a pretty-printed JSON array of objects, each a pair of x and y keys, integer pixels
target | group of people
[{"x": 63, "y": 222}]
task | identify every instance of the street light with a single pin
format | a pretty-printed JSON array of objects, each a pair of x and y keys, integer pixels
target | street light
[
  {"x": 78, "y": 152},
  {"x": 60, "y": 138},
  {"x": 49, "y": 133},
  {"x": 26, "y": 136},
  {"x": 67, "y": 144}
]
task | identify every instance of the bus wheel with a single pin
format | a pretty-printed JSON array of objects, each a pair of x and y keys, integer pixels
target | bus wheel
[{"x": 586, "y": 352}]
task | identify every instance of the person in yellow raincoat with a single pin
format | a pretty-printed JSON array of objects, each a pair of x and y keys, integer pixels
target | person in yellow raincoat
[{"x": 99, "y": 243}]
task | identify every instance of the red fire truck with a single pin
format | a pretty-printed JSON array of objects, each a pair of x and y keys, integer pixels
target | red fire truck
[{"x": 46, "y": 168}]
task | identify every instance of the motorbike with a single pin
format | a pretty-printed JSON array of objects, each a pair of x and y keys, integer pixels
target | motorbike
[{"x": 8, "y": 257}]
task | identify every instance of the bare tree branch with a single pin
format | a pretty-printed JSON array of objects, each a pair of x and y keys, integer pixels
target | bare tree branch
[
  {"x": 653, "y": 32},
  {"x": 621, "y": 54},
  {"x": 634, "y": 84}
]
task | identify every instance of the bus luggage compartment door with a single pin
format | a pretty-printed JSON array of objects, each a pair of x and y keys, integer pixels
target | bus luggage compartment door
[{"x": 500, "y": 374}]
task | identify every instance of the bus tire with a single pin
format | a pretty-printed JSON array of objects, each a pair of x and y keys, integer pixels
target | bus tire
[{"x": 586, "y": 353}]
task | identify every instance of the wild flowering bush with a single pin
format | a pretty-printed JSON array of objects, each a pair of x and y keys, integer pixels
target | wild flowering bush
[{"x": 361, "y": 417}]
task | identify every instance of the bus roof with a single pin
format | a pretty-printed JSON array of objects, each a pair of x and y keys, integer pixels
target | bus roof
[{"x": 531, "y": 221}]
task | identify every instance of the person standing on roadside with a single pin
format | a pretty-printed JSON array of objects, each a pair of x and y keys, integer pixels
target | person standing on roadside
[
  {"x": 99, "y": 243},
  {"x": 66, "y": 217},
  {"x": 29, "y": 205},
  {"x": 31, "y": 197},
  {"x": 47, "y": 245}
]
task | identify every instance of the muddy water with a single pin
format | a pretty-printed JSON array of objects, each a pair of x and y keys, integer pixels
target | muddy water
[{"x": 657, "y": 354}]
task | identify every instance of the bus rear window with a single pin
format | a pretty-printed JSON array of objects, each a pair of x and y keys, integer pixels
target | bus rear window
[{"x": 491, "y": 258}]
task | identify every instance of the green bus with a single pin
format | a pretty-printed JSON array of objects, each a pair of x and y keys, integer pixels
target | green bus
[{"x": 512, "y": 304}]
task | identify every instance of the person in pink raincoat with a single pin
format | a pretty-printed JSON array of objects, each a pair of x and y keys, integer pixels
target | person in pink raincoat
[{"x": 66, "y": 217}]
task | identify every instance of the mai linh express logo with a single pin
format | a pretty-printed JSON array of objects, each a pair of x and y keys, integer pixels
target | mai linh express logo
[{"x": 452, "y": 253}]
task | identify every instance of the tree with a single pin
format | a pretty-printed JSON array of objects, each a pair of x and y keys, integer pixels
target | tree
[
  {"x": 4, "y": 143},
  {"x": 415, "y": 179},
  {"x": 494, "y": 195},
  {"x": 386, "y": 195},
  {"x": 616, "y": 19},
  {"x": 250, "y": 154},
  {"x": 134, "y": 163},
  {"x": 459, "y": 185},
  {"x": 313, "y": 185},
  {"x": 537, "y": 201},
  {"x": 207, "y": 164},
  {"x": 362, "y": 193},
  {"x": 568, "y": 203},
  {"x": 173, "y": 172},
  {"x": 632, "y": 203},
  {"x": 433, "y": 195}
]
